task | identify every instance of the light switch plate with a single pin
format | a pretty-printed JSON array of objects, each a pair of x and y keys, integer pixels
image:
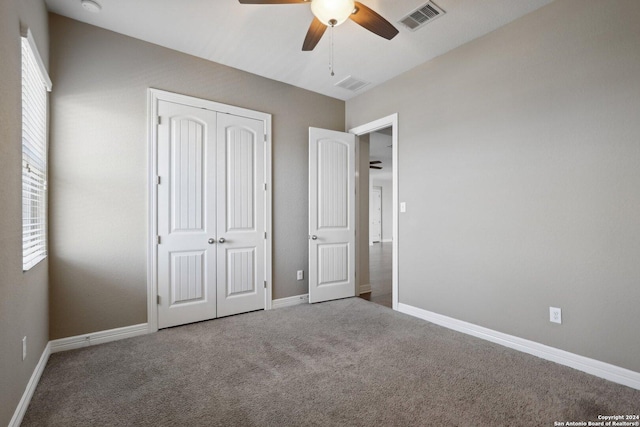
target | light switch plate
[{"x": 403, "y": 207}]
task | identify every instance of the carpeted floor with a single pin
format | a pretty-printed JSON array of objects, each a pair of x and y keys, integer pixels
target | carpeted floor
[{"x": 341, "y": 363}]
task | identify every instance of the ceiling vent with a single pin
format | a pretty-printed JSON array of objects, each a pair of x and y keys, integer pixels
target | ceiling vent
[
  {"x": 352, "y": 83},
  {"x": 422, "y": 16}
]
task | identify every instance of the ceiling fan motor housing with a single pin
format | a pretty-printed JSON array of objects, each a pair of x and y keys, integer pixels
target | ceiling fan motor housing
[{"x": 332, "y": 12}]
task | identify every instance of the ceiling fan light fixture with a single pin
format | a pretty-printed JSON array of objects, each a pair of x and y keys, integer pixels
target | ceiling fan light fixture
[{"x": 332, "y": 12}]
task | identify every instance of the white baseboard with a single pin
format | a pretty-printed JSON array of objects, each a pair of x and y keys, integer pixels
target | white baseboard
[
  {"x": 594, "y": 367},
  {"x": 288, "y": 302},
  {"x": 21, "y": 409},
  {"x": 100, "y": 337},
  {"x": 364, "y": 289}
]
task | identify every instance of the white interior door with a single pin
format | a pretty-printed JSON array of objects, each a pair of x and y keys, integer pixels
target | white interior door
[
  {"x": 186, "y": 214},
  {"x": 241, "y": 220},
  {"x": 375, "y": 214},
  {"x": 331, "y": 215},
  {"x": 211, "y": 214}
]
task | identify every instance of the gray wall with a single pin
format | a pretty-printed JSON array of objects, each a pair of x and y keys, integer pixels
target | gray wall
[
  {"x": 23, "y": 296},
  {"x": 98, "y": 176},
  {"x": 362, "y": 227},
  {"x": 520, "y": 165}
]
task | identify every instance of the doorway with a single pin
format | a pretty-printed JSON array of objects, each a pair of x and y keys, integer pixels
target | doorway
[
  {"x": 380, "y": 208},
  {"x": 380, "y": 139}
]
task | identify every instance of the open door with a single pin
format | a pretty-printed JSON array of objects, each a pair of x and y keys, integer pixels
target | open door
[{"x": 331, "y": 215}]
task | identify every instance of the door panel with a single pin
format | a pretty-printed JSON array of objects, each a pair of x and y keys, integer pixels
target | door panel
[
  {"x": 241, "y": 255},
  {"x": 186, "y": 214},
  {"x": 333, "y": 264},
  {"x": 331, "y": 215},
  {"x": 187, "y": 276}
]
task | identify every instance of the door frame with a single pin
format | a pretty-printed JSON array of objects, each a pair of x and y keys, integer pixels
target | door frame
[
  {"x": 153, "y": 98},
  {"x": 391, "y": 120}
]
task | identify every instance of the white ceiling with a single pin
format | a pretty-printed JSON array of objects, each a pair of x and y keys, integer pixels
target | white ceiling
[{"x": 267, "y": 39}]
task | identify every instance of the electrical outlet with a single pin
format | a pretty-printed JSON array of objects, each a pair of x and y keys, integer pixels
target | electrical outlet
[
  {"x": 555, "y": 315},
  {"x": 24, "y": 348},
  {"x": 403, "y": 207},
  {"x": 300, "y": 275}
]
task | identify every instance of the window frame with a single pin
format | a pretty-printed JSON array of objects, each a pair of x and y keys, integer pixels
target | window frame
[{"x": 35, "y": 85}]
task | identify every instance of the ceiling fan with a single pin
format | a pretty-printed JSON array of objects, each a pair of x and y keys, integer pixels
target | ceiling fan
[
  {"x": 373, "y": 163},
  {"x": 330, "y": 13}
]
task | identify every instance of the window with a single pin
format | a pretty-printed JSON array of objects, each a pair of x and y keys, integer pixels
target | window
[{"x": 35, "y": 84}]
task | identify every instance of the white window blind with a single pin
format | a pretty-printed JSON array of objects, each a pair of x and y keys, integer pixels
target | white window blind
[{"x": 35, "y": 84}]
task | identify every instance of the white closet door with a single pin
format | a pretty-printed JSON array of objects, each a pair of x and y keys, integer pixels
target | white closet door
[
  {"x": 186, "y": 214},
  {"x": 241, "y": 216},
  {"x": 211, "y": 214},
  {"x": 331, "y": 215}
]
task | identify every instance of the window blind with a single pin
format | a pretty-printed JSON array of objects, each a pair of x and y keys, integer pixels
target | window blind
[{"x": 34, "y": 158}]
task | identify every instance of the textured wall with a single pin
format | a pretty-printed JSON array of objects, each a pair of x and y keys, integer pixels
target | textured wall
[
  {"x": 23, "y": 296},
  {"x": 99, "y": 167},
  {"x": 519, "y": 161}
]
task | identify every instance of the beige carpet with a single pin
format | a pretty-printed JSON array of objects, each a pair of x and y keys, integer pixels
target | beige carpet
[{"x": 341, "y": 363}]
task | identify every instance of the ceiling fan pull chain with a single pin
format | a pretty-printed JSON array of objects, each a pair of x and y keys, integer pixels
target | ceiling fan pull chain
[{"x": 331, "y": 62}]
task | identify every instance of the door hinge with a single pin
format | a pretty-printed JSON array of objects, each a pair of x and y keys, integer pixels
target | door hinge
[
  {"x": 158, "y": 239},
  {"x": 265, "y": 234},
  {"x": 158, "y": 180},
  {"x": 265, "y": 284},
  {"x": 265, "y": 137},
  {"x": 158, "y": 299},
  {"x": 265, "y": 186}
]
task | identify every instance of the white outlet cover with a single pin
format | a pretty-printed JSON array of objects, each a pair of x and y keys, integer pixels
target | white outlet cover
[
  {"x": 403, "y": 207},
  {"x": 555, "y": 315}
]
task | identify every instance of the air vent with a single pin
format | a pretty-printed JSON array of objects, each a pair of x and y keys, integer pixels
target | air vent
[
  {"x": 352, "y": 83},
  {"x": 422, "y": 16}
]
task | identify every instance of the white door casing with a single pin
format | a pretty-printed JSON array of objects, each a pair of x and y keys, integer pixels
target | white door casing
[
  {"x": 214, "y": 162},
  {"x": 375, "y": 214},
  {"x": 331, "y": 215}
]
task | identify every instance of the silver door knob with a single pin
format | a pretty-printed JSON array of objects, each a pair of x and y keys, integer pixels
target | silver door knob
[
  {"x": 212, "y": 241},
  {"x": 314, "y": 237},
  {"x": 221, "y": 240}
]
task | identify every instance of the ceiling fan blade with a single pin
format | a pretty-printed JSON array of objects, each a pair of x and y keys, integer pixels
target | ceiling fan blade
[
  {"x": 373, "y": 22},
  {"x": 375, "y": 167},
  {"x": 271, "y": 1},
  {"x": 316, "y": 30},
  {"x": 375, "y": 162}
]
